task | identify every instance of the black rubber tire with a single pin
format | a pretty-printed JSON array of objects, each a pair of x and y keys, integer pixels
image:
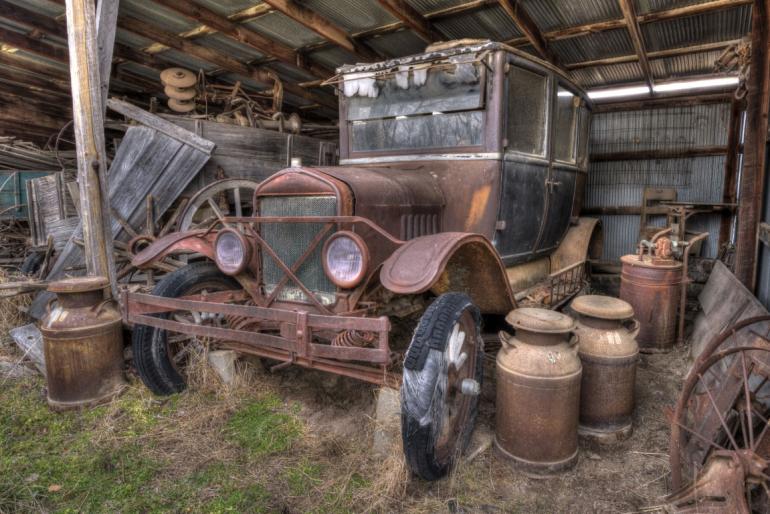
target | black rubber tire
[
  {"x": 32, "y": 263},
  {"x": 422, "y": 406},
  {"x": 149, "y": 344}
]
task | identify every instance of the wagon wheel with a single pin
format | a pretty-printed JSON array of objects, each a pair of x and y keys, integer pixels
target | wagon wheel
[
  {"x": 227, "y": 197},
  {"x": 723, "y": 413}
]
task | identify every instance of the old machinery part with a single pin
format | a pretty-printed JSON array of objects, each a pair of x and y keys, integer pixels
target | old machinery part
[
  {"x": 609, "y": 354},
  {"x": 355, "y": 339},
  {"x": 226, "y": 197},
  {"x": 162, "y": 359},
  {"x": 178, "y": 77},
  {"x": 180, "y": 93},
  {"x": 538, "y": 391},
  {"x": 438, "y": 409},
  {"x": 345, "y": 259},
  {"x": 181, "y": 105},
  {"x": 83, "y": 344},
  {"x": 652, "y": 285},
  {"x": 723, "y": 410},
  {"x": 232, "y": 251}
]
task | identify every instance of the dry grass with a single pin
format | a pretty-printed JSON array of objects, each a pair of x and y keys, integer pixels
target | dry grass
[{"x": 13, "y": 309}]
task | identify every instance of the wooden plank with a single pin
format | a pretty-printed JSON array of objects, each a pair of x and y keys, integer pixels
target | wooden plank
[
  {"x": 629, "y": 13},
  {"x": 643, "y": 155},
  {"x": 411, "y": 18},
  {"x": 161, "y": 125},
  {"x": 88, "y": 116},
  {"x": 521, "y": 18},
  {"x": 755, "y": 142},
  {"x": 106, "y": 23}
]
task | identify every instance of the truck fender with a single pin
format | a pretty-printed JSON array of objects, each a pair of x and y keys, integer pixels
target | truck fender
[
  {"x": 450, "y": 261},
  {"x": 582, "y": 241},
  {"x": 193, "y": 241}
]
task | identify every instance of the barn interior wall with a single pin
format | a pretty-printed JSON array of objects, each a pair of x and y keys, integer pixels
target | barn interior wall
[{"x": 613, "y": 184}]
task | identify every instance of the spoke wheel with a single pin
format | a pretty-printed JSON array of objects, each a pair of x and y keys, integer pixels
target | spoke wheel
[
  {"x": 442, "y": 379},
  {"x": 162, "y": 359},
  {"x": 723, "y": 414},
  {"x": 227, "y": 197}
]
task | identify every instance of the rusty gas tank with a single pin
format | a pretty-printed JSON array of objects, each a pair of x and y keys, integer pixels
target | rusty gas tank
[
  {"x": 538, "y": 391},
  {"x": 652, "y": 286},
  {"x": 83, "y": 344},
  {"x": 609, "y": 354}
]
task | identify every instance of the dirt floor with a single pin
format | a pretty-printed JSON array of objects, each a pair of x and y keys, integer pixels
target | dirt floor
[{"x": 296, "y": 441}]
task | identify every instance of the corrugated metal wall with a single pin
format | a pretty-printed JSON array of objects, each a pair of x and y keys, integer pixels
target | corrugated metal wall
[{"x": 622, "y": 183}]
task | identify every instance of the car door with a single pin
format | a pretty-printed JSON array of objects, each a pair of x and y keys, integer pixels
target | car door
[{"x": 525, "y": 164}]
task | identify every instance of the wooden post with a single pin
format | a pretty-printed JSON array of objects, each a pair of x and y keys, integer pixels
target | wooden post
[
  {"x": 731, "y": 167},
  {"x": 753, "y": 176},
  {"x": 106, "y": 23},
  {"x": 88, "y": 113}
]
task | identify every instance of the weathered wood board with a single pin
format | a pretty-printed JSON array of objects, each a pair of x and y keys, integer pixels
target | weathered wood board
[{"x": 159, "y": 161}]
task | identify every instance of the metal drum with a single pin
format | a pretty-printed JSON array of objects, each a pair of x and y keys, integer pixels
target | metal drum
[
  {"x": 83, "y": 344},
  {"x": 538, "y": 391},
  {"x": 609, "y": 354},
  {"x": 652, "y": 287}
]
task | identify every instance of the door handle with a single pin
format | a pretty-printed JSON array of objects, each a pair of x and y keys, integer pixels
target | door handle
[{"x": 551, "y": 184}]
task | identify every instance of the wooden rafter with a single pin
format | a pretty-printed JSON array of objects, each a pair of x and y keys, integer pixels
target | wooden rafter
[
  {"x": 632, "y": 24},
  {"x": 411, "y": 18},
  {"x": 229, "y": 28},
  {"x": 526, "y": 24},
  {"x": 323, "y": 27}
]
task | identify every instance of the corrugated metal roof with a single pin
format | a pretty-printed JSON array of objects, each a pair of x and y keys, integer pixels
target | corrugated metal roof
[
  {"x": 612, "y": 74},
  {"x": 692, "y": 30},
  {"x": 609, "y": 43},
  {"x": 488, "y": 23},
  {"x": 648, "y": 6},
  {"x": 426, "y": 6},
  {"x": 683, "y": 65},
  {"x": 555, "y": 14},
  {"x": 282, "y": 28},
  {"x": 227, "y": 7},
  {"x": 351, "y": 15},
  {"x": 396, "y": 44},
  {"x": 156, "y": 15},
  {"x": 227, "y": 46}
]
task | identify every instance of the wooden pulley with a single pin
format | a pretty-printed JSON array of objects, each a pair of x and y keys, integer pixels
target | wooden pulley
[
  {"x": 180, "y": 93},
  {"x": 181, "y": 105},
  {"x": 178, "y": 77}
]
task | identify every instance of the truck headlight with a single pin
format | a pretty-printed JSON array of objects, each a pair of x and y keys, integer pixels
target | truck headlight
[
  {"x": 232, "y": 252},
  {"x": 345, "y": 259}
]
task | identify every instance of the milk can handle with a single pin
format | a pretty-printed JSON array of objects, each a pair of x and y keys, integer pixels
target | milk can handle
[
  {"x": 575, "y": 339},
  {"x": 505, "y": 338},
  {"x": 633, "y": 326},
  {"x": 49, "y": 303},
  {"x": 99, "y": 307}
]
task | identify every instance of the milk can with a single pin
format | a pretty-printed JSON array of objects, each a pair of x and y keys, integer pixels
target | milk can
[
  {"x": 609, "y": 354},
  {"x": 652, "y": 286},
  {"x": 83, "y": 344},
  {"x": 538, "y": 391}
]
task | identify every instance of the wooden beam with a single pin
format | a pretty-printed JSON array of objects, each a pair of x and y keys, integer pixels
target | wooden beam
[
  {"x": 729, "y": 191},
  {"x": 322, "y": 27},
  {"x": 411, "y": 18},
  {"x": 149, "y": 31},
  {"x": 629, "y": 14},
  {"x": 527, "y": 25},
  {"x": 755, "y": 143},
  {"x": 88, "y": 112},
  {"x": 262, "y": 44},
  {"x": 660, "y": 54},
  {"x": 106, "y": 23},
  {"x": 646, "y": 155},
  {"x": 33, "y": 46}
]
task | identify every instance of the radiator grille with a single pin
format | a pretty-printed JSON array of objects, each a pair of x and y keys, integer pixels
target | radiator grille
[{"x": 291, "y": 240}]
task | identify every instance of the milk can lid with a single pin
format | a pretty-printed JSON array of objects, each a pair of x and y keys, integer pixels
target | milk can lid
[
  {"x": 540, "y": 320},
  {"x": 603, "y": 307},
  {"x": 78, "y": 284}
]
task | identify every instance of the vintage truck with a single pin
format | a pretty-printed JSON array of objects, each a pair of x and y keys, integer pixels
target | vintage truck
[{"x": 459, "y": 185}]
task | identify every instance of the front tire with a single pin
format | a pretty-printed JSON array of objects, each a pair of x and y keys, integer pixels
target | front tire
[
  {"x": 443, "y": 371},
  {"x": 154, "y": 357}
]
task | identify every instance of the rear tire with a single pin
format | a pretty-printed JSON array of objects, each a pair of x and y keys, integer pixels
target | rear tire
[
  {"x": 152, "y": 357},
  {"x": 437, "y": 418}
]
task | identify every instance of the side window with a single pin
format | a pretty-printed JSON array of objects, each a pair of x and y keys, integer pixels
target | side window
[
  {"x": 584, "y": 133},
  {"x": 527, "y": 111},
  {"x": 565, "y": 125}
]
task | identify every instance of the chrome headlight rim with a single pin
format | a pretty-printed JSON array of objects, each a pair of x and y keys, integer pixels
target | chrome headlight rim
[
  {"x": 246, "y": 247},
  {"x": 362, "y": 248}
]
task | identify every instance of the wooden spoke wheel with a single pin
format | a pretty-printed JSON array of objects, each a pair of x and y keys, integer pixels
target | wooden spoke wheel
[
  {"x": 226, "y": 197},
  {"x": 721, "y": 423}
]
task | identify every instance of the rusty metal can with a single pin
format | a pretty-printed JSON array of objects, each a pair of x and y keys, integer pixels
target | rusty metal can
[
  {"x": 609, "y": 354},
  {"x": 538, "y": 391},
  {"x": 652, "y": 287},
  {"x": 83, "y": 344}
]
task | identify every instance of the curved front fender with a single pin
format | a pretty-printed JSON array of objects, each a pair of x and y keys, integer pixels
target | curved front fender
[
  {"x": 194, "y": 241},
  {"x": 450, "y": 261}
]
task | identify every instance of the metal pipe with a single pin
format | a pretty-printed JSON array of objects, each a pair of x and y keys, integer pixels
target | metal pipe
[
  {"x": 686, "y": 282},
  {"x": 659, "y": 234}
]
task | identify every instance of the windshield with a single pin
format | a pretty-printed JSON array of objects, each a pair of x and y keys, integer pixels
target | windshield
[{"x": 416, "y": 107}]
